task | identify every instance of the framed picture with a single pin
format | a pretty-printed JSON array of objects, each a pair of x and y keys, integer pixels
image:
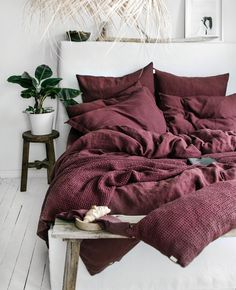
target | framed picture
[{"x": 203, "y": 18}]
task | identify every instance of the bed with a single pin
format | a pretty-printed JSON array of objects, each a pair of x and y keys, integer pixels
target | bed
[{"x": 144, "y": 267}]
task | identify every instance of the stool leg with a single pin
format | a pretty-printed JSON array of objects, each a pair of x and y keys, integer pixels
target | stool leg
[
  {"x": 24, "y": 169},
  {"x": 51, "y": 158}
]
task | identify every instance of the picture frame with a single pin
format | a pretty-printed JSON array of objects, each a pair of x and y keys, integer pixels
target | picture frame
[{"x": 203, "y": 19}]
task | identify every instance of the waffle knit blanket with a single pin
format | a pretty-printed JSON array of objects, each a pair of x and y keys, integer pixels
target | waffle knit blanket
[{"x": 136, "y": 172}]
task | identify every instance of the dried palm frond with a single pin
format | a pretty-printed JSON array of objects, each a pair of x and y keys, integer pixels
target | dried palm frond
[{"x": 145, "y": 16}]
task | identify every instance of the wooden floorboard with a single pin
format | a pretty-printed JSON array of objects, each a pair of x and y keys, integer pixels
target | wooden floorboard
[
  {"x": 23, "y": 256},
  {"x": 8, "y": 196}
]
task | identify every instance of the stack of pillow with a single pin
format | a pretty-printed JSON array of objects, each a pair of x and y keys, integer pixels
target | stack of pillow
[{"x": 156, "y": 102}]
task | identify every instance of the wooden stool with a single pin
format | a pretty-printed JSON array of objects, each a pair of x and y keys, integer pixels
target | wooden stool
[{"x": 47, "y": 163}]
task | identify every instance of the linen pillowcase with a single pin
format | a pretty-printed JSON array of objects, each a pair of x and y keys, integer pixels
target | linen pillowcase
[
  {"x": 136, "y": 108},
  {"x": 100, "y": 87},
  {"x": 183, "y": 228},
  {"x": 72, "y": 137},
  {"x": 187, "y": 114},
  {"x": 79, "y": 109},
  {"x": 171, "y": 84}
]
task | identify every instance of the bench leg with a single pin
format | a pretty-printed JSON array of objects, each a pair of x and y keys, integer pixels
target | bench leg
[
  {"x": 24, "y": 169},
  {"x": 51, "y": 159},
  {"x": 71, "y": 264}
]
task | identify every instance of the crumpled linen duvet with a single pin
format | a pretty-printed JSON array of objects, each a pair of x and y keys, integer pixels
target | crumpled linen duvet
[{"x": 136, "y": 172}]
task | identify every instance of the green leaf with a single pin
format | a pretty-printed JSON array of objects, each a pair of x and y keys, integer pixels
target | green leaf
[
  {"x": 14, "y": 79},
  {"x": 23, "y": 82},
  {"x": 28, "y": 94},
  {"x": 26, "y": 83},
  {"x": 30, "y": 109},
  {"x": 43, "y": 72},
  {"x": 69, "y": 102},
  {"x": 66, "y": 94},
  {"x": 50, "y": 92},
  {"x": 52, "y": 82},
  {"x": 35, "y": 83},
  {"x": 62, "y": 94},
  {"x": 25, "y": 75}
]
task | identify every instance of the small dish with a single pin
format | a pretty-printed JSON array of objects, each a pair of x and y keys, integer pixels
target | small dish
[{"x": 87, "y": 226}]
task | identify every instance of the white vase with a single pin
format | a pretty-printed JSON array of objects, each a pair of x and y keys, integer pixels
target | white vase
[{"x": 41, "y": 124}]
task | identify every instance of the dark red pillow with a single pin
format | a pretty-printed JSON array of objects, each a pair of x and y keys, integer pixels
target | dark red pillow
[
  {"x": 100, "y": 87},
  {"x": 136, "y": 108},
  {"x": 188, "y": 114},
  {"x": 73, "y": 136},
  {"x": 171, "y": 84},
  {"x": 181, "y": 229},
  {"x": 79, "y": 109}
]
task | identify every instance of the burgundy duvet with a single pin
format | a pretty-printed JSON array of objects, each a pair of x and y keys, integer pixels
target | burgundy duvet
[{"x": 137, "y": 172}]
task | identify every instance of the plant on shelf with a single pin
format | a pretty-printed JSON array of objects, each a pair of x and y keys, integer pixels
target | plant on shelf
[
  {"x": 78, "y": 36},
  {"x": 39, "y": 87}
]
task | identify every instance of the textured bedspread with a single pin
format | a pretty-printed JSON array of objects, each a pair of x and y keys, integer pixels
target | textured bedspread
[{"x": 137, "y": 172}]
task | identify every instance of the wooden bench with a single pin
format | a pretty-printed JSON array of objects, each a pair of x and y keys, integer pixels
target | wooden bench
[{"x": 74, "y": 236}]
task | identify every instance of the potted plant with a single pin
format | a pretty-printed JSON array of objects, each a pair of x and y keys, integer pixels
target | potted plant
[{"x": 40, "y": 87}]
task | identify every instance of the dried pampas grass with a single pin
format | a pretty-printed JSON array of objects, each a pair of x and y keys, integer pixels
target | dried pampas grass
[{"x": 145, "y": 16}]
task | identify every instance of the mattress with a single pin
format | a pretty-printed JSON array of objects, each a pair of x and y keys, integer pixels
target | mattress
[{"x": 144, "y": 267}]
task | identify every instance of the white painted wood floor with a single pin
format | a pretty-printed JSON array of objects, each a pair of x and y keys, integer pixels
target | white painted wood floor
[{"x": 23, "y": 256}]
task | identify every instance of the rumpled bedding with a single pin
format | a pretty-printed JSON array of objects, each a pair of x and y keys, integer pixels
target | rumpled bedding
[
  {"x": 184, "y": 115},
  {"x": 137, "y": 172}
]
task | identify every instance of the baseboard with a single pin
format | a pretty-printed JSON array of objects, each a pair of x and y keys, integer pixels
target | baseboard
[{"x": 17, "y": 173}]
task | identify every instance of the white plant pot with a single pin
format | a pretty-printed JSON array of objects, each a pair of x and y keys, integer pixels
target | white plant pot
[{"x": 41, "y": 124}]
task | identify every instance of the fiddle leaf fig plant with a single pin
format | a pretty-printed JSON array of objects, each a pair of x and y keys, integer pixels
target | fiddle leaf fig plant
[{"x": 41, "y": 86}]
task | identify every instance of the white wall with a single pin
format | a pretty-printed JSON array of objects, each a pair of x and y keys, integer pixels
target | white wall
[
  {"x": 176, "y": 9},
  {"x": 229, "y": 20},
  {"x": 21, "y": 49}
]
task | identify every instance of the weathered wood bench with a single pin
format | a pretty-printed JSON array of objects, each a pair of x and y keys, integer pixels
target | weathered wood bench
[{"x": 74, "y": 236}]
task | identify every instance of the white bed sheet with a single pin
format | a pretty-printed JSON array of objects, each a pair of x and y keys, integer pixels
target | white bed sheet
[{"x": 144, "y": 268}]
